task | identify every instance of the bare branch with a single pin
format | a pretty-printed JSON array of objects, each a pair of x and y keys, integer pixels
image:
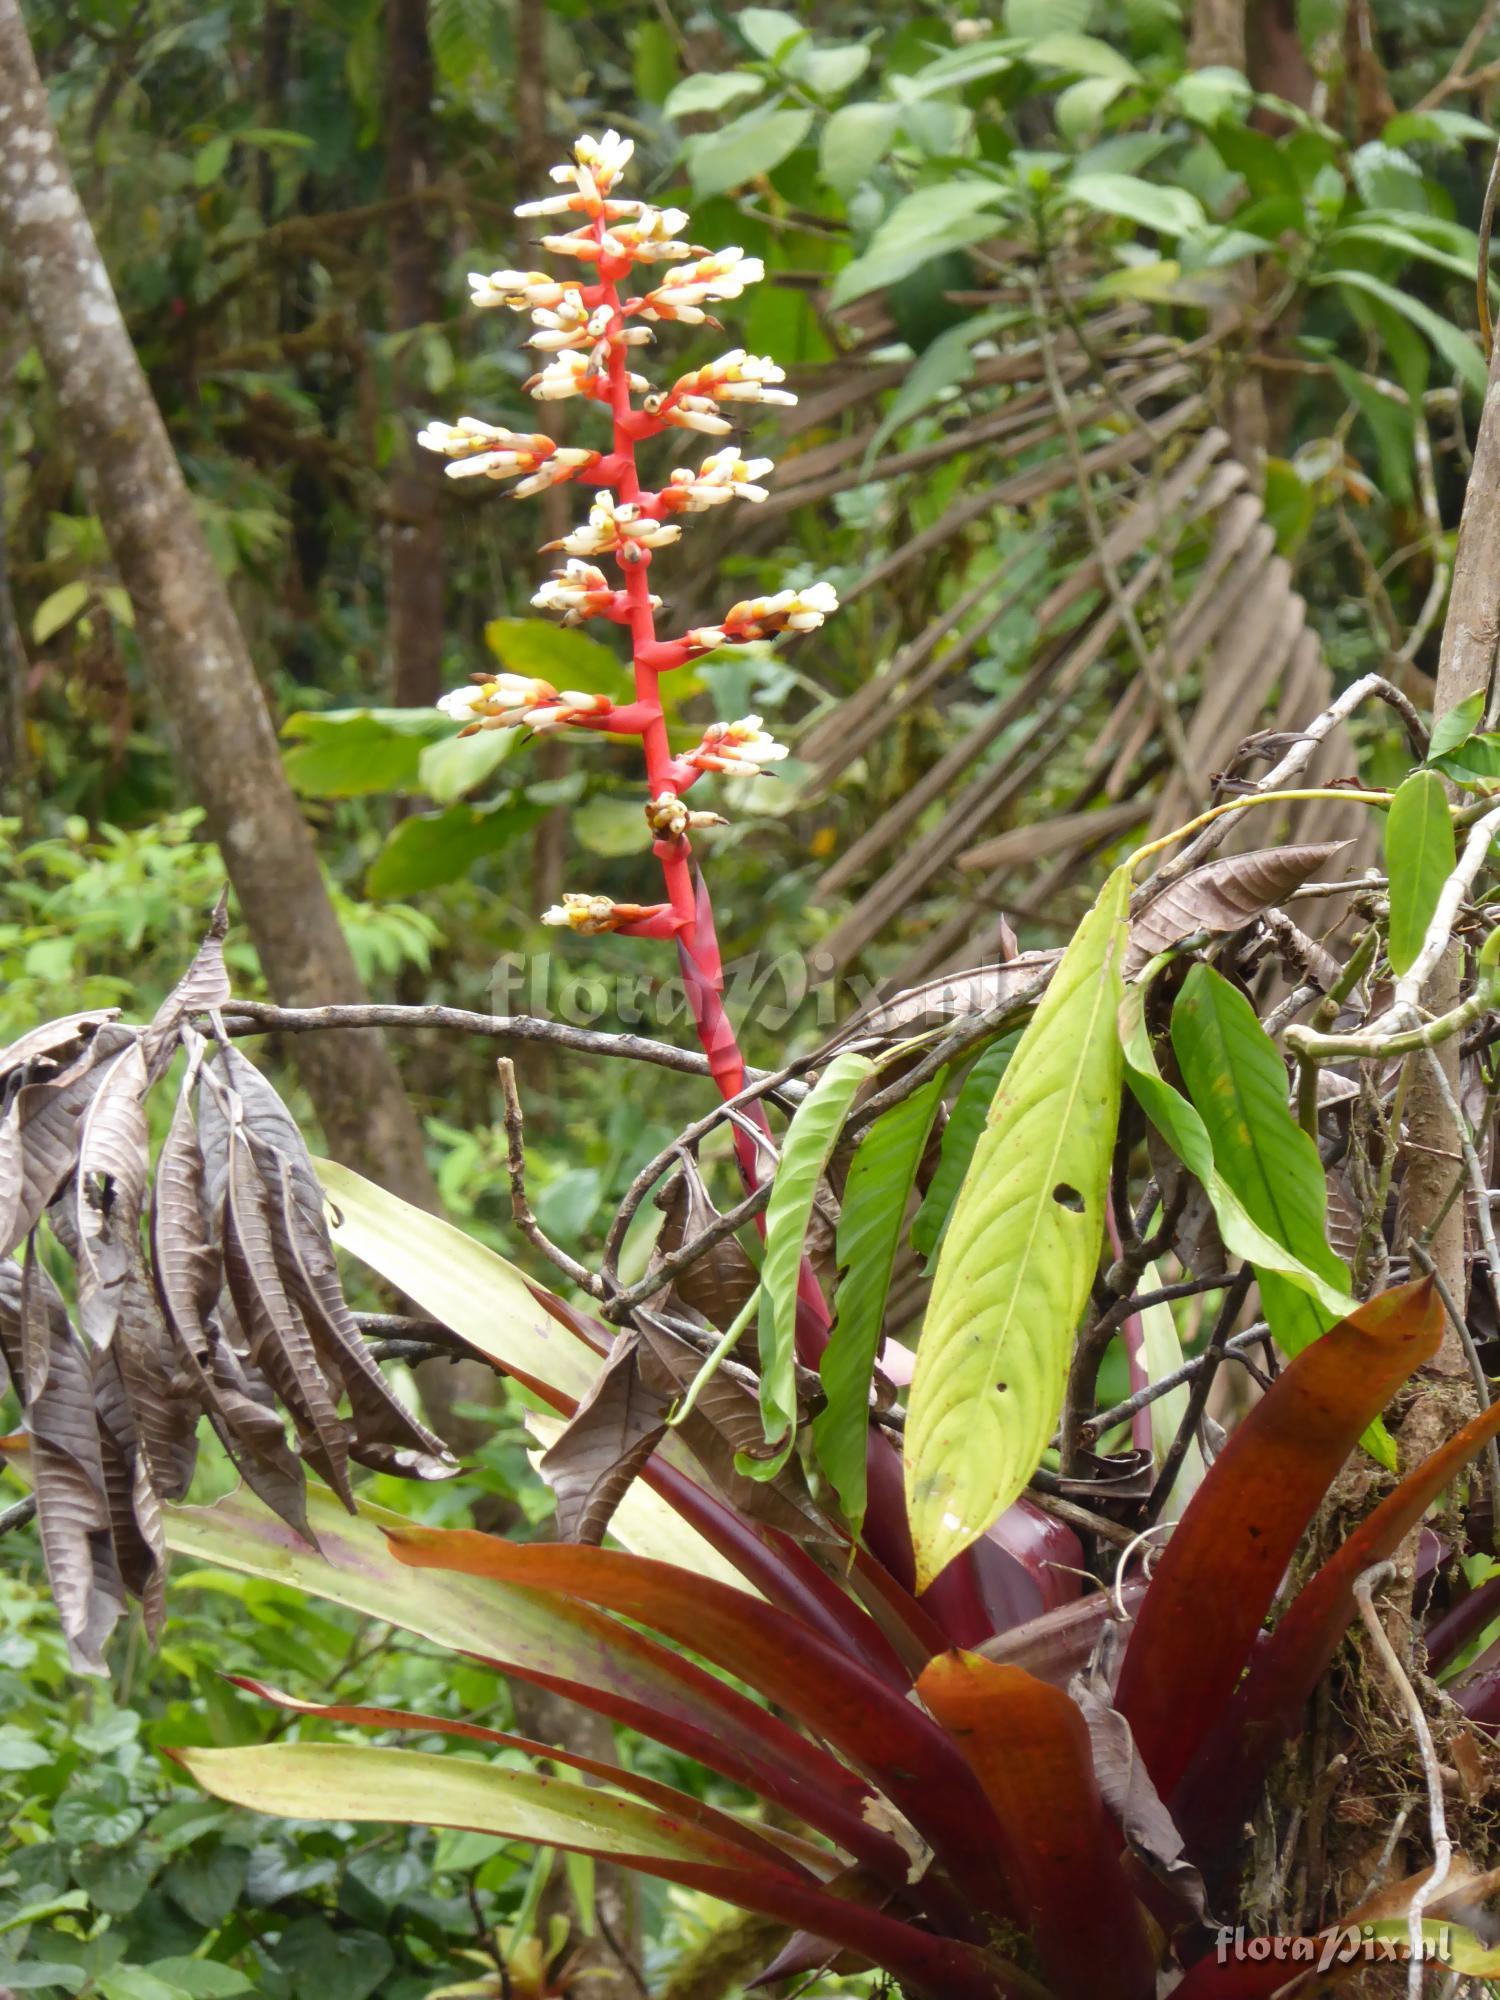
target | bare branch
[
  {"x": 1365, "y": 1586},
  {"x": 520, "y": 1206},
  {"x": 256, "y": 1017}
]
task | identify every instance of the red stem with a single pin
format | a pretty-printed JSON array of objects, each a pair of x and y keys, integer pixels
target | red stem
[{"x": 955, "y": 1603}]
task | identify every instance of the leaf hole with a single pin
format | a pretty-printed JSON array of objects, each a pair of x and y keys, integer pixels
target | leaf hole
[{"x": 1068, "y": 1197}]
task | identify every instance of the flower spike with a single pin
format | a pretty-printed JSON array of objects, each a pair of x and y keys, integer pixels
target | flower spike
[{"x": 586, "y": 325}]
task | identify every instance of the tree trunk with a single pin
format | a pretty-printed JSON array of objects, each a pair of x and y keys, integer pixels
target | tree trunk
[
  {"x": 1217, "y": 39},
  {"x": 414, "y": 547},
  {"x": 190, "y": 640},
  {"x": 13, "y": 669}
]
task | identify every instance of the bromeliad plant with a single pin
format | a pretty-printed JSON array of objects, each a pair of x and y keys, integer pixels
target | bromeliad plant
[{"x": 946, "y": 1772}]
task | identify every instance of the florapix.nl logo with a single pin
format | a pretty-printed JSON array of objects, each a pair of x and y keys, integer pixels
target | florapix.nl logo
[{"x": 1338, "y": 1945}]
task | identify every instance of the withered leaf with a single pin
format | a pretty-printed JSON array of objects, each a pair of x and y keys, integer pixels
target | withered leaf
[
  {"x": 949, "y": 997},
  {"x": 725, "y": 1420},
  {"x": 41, "y": 1133},
  {"x": 110, "y": 1191},
  {"x": 57, "y": 1042},
  {"x": 279, "y": 1343},
  {"x": 384, "y": 1433},
  {"x": 205, "y": 984},
  {"x": 186, "y": 1258},
  {"x": 73, "y": 1514},
  {"x": 134, "y": 1508},
  {"x": 610, "y": 1437},
  {"x": 164, "y": 1394},
  {"x": 719, "y": 1283},
  {"x": 1134, "y": 1802},
  {"x": 244, "y": 1415},
  {"x": 1223, "y": 895}
]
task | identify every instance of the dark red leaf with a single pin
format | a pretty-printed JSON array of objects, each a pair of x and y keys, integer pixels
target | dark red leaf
[
  {"x": 1029, "y": 1746},
  {"x": 1268, "y": 1705},
  {"x": 1217, "y": 1576},
  {"x": 860, "y": 1714}
]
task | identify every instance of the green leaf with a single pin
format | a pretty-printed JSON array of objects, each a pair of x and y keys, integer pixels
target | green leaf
[
  {"x": 1438, "y": 127},
  {"x": 959, "y": 68},
  {"x": 654, "y": 68},
  {"x": 1016, "y": 1265},
  {"x": 1457, "y": 726},
  {"x": 751, "y": 146},
  {"x": 1185, "y": 1132},
  {"x": 131, "y": 1982},
  {"x": 770, "y": 32},
  {"x": 855, "y": 140},
  {"x": 1046, "y": 17},
  {"x": 961, "y": 1135},
  {"x": 1171, "y": 211},
  {"x": 1390, "y": 423},
  {"x": 946, "y": 363},
  {"x": 1238, "y": 1083},
  {"x": 329, "y": 1964},
  {"x": 1476, "y": 761},
  {"x": 1205, "y": 95},
  {"x": 556, "y": 653},
  {"x": 1455, "y": 347},
  {"x": 427, "y": 849},
  {"x": 347, "y": 753},
  {"x": 356, "y": 1781},
  {"x": 201, "y": 1978},
  {"x": 1161, "y": 1350},
  {"x": 869, "y": 1234},
  {"x": 1083, "y": 54},
  {"x": 829, "y": 71},
  {"x": 472, "y": 1289},
  {"x": 211, "y": 160},
  {"x": 206, "y": 1882},
  {"x": 712, "y": 91},
  {"x": 1419, "y": 858},
  {"x": 1080, "y": 108},
  {"x": 58, "y": 610},
  {"x": 921, "y": 226},
  {"x": 102, "y": 1817},
  {"x": 806, "y": 1150},
  {"x": 1387, "y": 236},
  {"x": 610, "y": 826},
  {"x": 20, "y": 1749},
  {"x": 458, "y": 765}
]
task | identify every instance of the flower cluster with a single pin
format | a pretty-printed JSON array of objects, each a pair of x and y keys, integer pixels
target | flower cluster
[
  {"x": 508, "y": 701},
  {"x": 743, "y": 749},
  {"x": 485, "y": 449},
  {"x": 763, "y": 617},
  {"x": 587, "y": 326}
]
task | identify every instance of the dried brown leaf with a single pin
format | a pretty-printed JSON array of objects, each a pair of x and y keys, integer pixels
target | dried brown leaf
[
  {"x": 1223, "y": 895},
  {"x": 56, "y": 1042},
  {"x": 204, "y": 985},
  {"x": 73, "y": 1514},
  {"x": 950, "y": 997},
  {"x": 110, "y": 1191},
  {"x": 1149, "y": 1830},
  {"x": 720, "y": 1283},
  {"x": 726, "y": 1419},
  {"x": 40, "y": 1136},
  {"x": 611, "y": 1435}
]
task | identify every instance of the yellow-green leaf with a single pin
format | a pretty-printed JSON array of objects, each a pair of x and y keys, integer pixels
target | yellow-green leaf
[
  {"x": 1017, "y": 1262},
  {"x": 1419, "y": 858}
]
